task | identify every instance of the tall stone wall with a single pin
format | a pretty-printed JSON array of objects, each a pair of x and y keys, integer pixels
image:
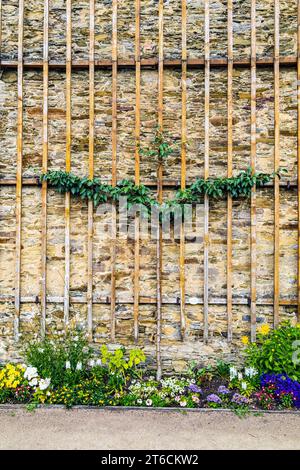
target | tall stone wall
[{"x": 175, "y": 351}]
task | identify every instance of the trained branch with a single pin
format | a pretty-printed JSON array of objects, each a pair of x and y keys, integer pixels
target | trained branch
[{"x": 239, "y": 186}]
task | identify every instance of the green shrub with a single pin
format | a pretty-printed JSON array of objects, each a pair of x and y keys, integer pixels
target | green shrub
[
  {"x": 222, "y": 369},
  {"x": 65, "y": 362},
  {"x": 118, "y": 364},
  {"x": 5, "y": 395},
  {"x": 276, "y": 350}
]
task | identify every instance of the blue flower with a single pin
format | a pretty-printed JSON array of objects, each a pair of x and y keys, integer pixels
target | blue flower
[
  {"x": 239, "y": 399},
  {"x": 194, "y": 388},
  {"x": 223, "y": 390},
  {"x": 213, "y": 398},
  {"x": 282, "y": 384}
]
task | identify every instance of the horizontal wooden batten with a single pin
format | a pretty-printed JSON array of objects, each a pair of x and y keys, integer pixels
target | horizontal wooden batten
[
  {"x": 123, "y": 300},
  {"x": 166, "y": 183},
  {"x": 131, "y": 63}
]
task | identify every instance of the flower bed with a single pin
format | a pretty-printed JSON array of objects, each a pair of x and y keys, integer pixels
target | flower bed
[{"x": 70, "y": 373}]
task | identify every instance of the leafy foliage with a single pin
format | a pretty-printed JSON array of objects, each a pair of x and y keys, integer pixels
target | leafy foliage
[
  {"x": 217, "y": 188},
  {"x": 69, "y": 372},
  {"x": 276, "y": 351},
  {"x": 118, "y": 364},
  {"x": 101, "y": 193},
  {"x": 160, "y": 149},
  {"x": 94, "y": 190},
  {"x": 64, "y": 362}
]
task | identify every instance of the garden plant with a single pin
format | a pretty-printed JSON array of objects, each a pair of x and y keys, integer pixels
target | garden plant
[{"x": 70, "y": 372}]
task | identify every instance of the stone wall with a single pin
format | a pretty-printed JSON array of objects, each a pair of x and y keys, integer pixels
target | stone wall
[{"x": 175, "y": 353}]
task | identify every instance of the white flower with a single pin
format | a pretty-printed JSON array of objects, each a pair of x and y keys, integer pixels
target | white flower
[
  {"x": 33, "y": 382},
  {"x": 30, "y": 373},
  {"x": 240, "y": 376},
  {"x": 92, "y": 362},
  {"x": 250, "y": 372},
  {"x": 183, "y": 403},
  {"x": 44, "y": 383},
  {"x": 148, "y": 402},
  {"x": 68, "y": 365},
  {"x": 75, "y": 338},
  {"x": 139, "y": 401},
  {"x": 233, "y": 372},
  {"x": 244, "y": 385},
  {"x": 40, "y": 350},
  {"x": 193, "y": 381},
  {"x": 99, "y": 362},
  {"x": 79, "y": 366},
  {"x": 177, "y": 398},
  {"x": 195, "y": 399}
]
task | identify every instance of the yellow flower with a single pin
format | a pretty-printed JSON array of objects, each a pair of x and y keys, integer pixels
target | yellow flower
[
  {"x": 11, "y": 376},
  {"x": 245, "y": 340},
  {"x": 264, "y": 329}
]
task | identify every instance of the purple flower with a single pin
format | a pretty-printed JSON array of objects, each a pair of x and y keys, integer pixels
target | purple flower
[
  {"x": 194, "y": 388},
  {"x": 223, "y": 390},
  {"x": 239, "y": 399},
  {"x": 282, "y": 384},
  {"x": 213, "y": 398}
]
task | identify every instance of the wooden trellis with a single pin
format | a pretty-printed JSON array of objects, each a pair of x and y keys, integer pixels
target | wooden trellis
[
  {"x": 44, "y": 168},
  {"x": 159, "y": 63},
  {"x": 91, "y": 167},
  {"x": 19, "y": 169},
  {"x": 68, "y": 158},
  {"x": 229, "y": 166},
  {"x": 253, "y": 167}
]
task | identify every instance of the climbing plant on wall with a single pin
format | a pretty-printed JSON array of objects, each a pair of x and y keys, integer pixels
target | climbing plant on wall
[
  {"x": 239, "y": 186},
  {"x": 95, "y": 190}
]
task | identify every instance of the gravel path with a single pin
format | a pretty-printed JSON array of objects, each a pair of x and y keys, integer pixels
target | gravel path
[{"x": 137, "y": 429}]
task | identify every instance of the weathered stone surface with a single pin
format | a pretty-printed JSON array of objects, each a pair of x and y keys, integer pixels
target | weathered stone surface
[
  {"x": 33, "y": 32},
  {"x": 175, "y": 353}
]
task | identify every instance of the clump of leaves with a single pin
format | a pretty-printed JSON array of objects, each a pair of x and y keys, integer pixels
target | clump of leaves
[
  {"x": 118, "y": 364},
  {"x": 96, "y": 191},
  {"x": 276, "y": 351},
  {"x": 222, "y": 369},
  {"x": 239, "y": 186},
  {"x": 160, "y": 147},
  {"x": 64, "y": 361},
  {"x": 217, "y": 188}
]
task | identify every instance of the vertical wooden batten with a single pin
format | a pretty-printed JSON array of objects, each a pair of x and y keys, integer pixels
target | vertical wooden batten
[
  {"x": 159, "y": 187},
  {"x": 276, "y": 159},
  {"x": 114, "y": 164},
  {"x": 68, "y": 160},
  {"x": 298, "y": 153},
  {"x": 229, "y": 167},
  {"x": 253, "y": 168},
  {"x": 136, "y": 286},
  {"x": 44, "y": 168},
  {"x": 183, "y": 166},
  {"x": 91, "y": 168},
  {"x": 206, "y": 166},
  {"x": 19, "y": 171},
  {"x": 0, "y": 31}
]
